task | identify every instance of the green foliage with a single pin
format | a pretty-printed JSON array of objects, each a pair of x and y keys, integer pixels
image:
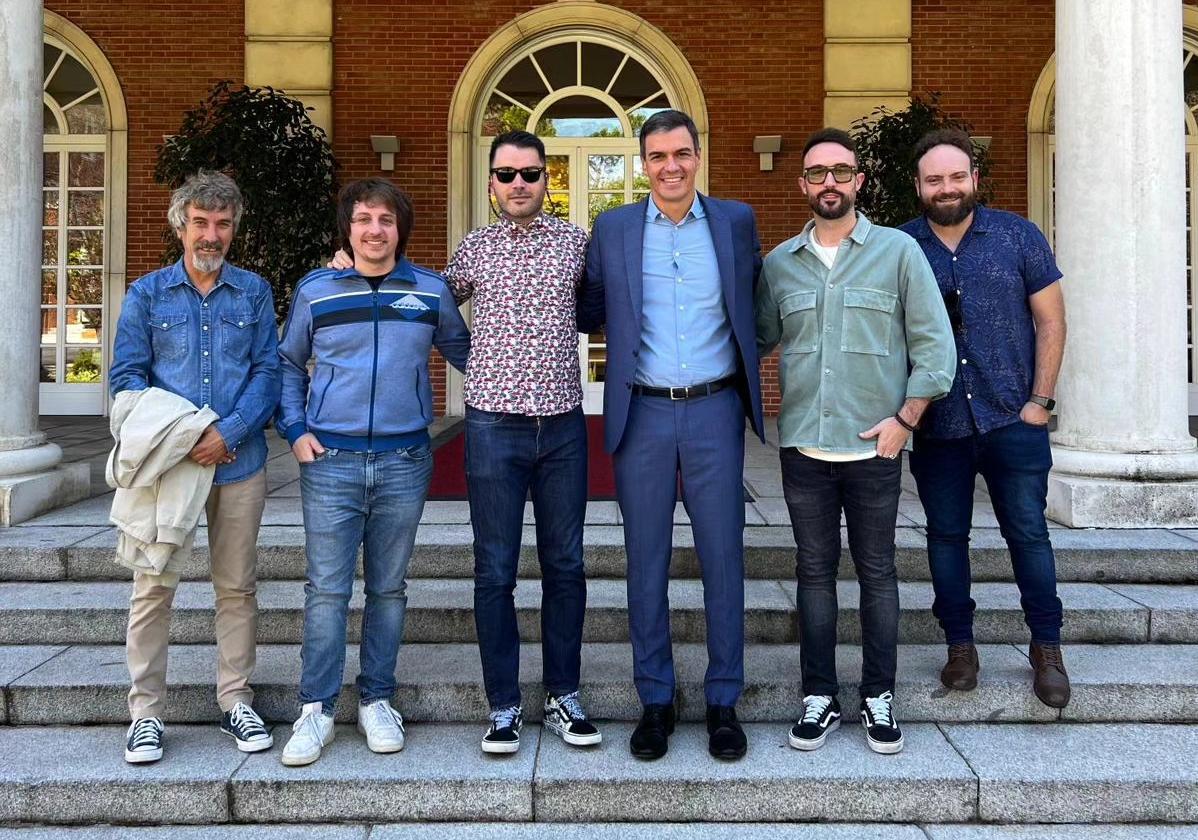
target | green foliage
[
  {"x": 285, "y": 168},
  {"x": 885, "y": 142},
  {"x": 85, "y": 367}
]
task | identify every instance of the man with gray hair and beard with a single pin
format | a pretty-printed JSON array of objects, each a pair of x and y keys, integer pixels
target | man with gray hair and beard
[{"x": 204, "y": 330}]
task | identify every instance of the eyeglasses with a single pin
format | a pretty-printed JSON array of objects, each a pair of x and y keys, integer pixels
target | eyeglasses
[
  {"x": 842, "y": 173},
  {"x": 506, "y": 174},
  {"x": 952, "y": 303}
]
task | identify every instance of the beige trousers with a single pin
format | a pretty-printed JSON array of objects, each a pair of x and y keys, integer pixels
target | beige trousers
[{"x": 234, "y": 514}]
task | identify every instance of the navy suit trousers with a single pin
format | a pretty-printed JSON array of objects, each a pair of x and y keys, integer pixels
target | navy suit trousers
[{"x": 703, "y": 441}]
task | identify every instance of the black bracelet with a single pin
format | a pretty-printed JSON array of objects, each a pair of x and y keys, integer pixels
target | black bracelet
[{"x": 903, "y": 422}]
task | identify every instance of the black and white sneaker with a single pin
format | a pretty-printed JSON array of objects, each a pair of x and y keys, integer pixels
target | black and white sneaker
[
  {"x": 503, "y": 736},
  {"x": 821, "y": 715},
  {"x": 881, "y": 729},
  {"x": 564, "y": 715},
  {"x": 143, "y": 742},
  {"x": 246, "y": 728}
]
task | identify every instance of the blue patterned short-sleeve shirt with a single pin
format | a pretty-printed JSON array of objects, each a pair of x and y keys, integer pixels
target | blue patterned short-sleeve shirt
[{"x": 1002, "y": 261}]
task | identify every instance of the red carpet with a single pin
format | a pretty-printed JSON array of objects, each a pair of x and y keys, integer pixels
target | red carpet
[{"x": 449, "y": 466}]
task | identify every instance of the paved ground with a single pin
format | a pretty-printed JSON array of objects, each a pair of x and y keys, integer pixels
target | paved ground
[{"x": 87, "y": 439}]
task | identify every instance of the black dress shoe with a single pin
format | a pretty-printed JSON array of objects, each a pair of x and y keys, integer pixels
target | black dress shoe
[
  {"x": 726, "y": 739},
  {"x": 650, "y": 739}
]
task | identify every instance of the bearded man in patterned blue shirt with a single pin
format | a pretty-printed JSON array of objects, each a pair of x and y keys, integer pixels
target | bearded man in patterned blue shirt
[{"x": 999, "y": 281}]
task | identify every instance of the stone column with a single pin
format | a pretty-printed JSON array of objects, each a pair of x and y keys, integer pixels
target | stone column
[
  {"x": 1122, "y": 451},
  {"x": 31, "y": 480}
]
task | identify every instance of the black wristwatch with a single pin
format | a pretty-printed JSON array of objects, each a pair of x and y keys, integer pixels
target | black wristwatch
[{"x": 1046, "y": 402}]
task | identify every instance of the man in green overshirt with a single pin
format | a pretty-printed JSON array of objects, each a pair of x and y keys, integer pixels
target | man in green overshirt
[{"x": 866, "y": 345}]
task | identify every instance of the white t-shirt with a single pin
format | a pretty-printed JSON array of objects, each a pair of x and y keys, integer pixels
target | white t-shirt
[{"x": 826, "y": 253}]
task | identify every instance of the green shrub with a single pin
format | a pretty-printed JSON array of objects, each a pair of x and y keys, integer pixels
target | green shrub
[
  {"x": 885, "y": 142},
  {"x": 285, "y": 168}
]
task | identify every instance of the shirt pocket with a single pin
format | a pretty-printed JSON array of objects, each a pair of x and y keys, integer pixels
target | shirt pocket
[
  {"x": 168, "y": 335},
  {"x": 868, "y": 316},
  {"x": 800, "y": 326},
  {"x": 237, "y": 334}
]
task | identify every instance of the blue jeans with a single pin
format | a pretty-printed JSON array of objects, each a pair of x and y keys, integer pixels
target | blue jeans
[
  {"x": 352, "y": 499},
  {"x": 507, "y": 456},
  {"x": 1014, "y": 461},
  {"x": 868, "y": 492}
]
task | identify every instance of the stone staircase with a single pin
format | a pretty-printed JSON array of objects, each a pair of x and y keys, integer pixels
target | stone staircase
[
  {"x": 1118, "y": 763},
  {"x": 1122, "y": 752}
]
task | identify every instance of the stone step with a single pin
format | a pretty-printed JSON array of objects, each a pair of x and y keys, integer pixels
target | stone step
[
  {"x": 445, "y": 551},
  {"x": 441, "y": 610},
  {"x": 953, "y": 773},
  {"x": 608, "y": 831},
  {"x": 443, "y": 683}
]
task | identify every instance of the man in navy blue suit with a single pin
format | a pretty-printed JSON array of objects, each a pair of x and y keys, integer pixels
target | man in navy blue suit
[{"x": 673, "y": 277}]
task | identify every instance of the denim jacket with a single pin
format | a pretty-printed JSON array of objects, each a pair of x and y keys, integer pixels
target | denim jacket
[{"x": 219, "y": 352}]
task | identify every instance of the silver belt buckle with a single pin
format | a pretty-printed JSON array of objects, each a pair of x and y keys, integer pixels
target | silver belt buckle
[{"x": 681, "y": 392}]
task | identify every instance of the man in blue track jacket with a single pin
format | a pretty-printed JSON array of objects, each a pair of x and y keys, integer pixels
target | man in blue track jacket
[{"x": 359, "y": 428}]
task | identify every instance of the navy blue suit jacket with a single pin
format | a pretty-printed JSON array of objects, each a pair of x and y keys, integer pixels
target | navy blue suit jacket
[{"x": 613, "y": 294}]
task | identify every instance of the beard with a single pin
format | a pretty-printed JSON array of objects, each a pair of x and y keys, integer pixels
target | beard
[
  {"x": 839, "y": 210},
  {"x": 208, "y": 257},
  {"x": 946, "y": 214}
]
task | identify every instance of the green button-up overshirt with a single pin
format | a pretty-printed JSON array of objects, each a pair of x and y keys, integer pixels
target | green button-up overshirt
[{"x": 857, "y": 340}]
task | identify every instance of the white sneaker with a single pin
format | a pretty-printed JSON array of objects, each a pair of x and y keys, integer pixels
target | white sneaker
[
  {"x": 310, "y": 734},
  {"x": 382, "y": 726}
]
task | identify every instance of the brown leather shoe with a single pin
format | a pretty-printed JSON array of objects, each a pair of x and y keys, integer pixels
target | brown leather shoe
[
  {"x": 1051, "y": 683},
  {"x": 960, "y": 673}
]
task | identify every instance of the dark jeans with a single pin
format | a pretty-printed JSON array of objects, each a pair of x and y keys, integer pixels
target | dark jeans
[
  {"x": 507, "y": 455},
  {"x": 868, "y": 492},
  {"x": 1014, "y": 461}
]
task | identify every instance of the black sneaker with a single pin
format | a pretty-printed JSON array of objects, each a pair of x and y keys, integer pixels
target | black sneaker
[
  {"x": 246, "y": 728},
  {"x": 821, "y": 715},
  {"x": 144, "y": 741},
  {"x": 881, "y": 729},
  {"x": 504, "y": 733},
  {"x": 564, "y": 715}
]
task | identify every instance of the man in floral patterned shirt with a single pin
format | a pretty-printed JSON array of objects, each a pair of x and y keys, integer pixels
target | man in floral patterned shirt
[{"x": 525, "y": 432}]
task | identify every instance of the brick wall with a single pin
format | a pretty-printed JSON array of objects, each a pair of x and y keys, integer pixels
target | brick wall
[
  {"x": 759, "y": 64},
  {"x": 166, "y": 59},
  {"x": 984, "y": 57},
  {"x": 400, "y": 79}
]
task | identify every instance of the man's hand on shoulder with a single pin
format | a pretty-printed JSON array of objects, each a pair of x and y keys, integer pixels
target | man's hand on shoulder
[
  {"x": 210, "y": 449},
  {"x": 306, "y": 448},
  {"x": 341, "y": 261}
]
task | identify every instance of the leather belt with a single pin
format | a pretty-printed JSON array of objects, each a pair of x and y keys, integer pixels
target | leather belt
[{"x": 685, "y": 392}]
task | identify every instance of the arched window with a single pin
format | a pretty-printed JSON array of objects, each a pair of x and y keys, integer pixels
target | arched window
[
  {"x": 584, "y": 76},
  {"x": 1042, "y": 173},
  {"x": 78, "y": 267},
  {"x": 586, "y": 98}
]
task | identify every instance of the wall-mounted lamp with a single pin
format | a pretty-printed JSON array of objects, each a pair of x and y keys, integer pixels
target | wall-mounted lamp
[
  {"x": 767, "y": 146},
  {"x": 387, "y": 147}
]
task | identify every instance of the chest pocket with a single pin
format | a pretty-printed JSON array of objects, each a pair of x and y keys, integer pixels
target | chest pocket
[
  {"x": 237, "y": 334},
  {"x": 168, "y": 335},
  {"x": 800, "y": 326},
  {"x": 868, "y": 315}
]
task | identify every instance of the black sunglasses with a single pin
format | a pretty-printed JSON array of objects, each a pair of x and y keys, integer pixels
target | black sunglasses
[
  {"x": 952, "y": 303},
  {"x": 506, "y": 174}
]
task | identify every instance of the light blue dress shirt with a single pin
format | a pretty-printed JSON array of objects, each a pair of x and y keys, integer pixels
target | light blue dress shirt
[{"x": 686, "y": 336}]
